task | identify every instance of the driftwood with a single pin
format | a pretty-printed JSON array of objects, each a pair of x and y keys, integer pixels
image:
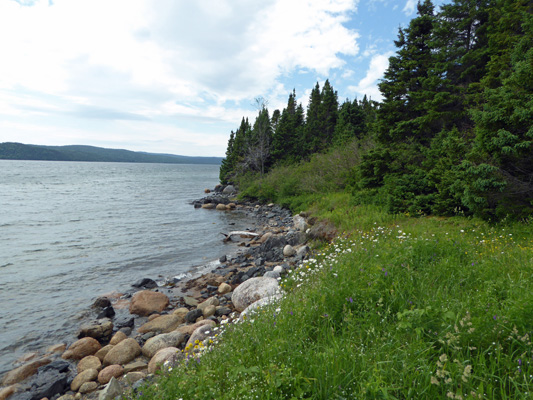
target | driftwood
[{"x": 242, "y": 234}]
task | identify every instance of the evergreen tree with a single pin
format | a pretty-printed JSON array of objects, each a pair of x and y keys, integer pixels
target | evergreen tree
[
  {"x": 287, "y": 136},
  {"x": 311, "y": 136},
  {"x": 406, "y": 87},
  {"x": 351, "y": 122},
  {"x": 258, "y": 143},
  {"x": 500, "y": 171}
]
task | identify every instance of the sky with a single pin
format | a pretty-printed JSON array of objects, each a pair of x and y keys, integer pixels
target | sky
[{"x": 177, "y": 76}]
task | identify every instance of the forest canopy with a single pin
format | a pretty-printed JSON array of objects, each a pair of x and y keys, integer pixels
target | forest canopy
[{"x": 453, "y": 133}]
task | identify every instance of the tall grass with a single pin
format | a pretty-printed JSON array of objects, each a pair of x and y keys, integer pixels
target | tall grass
[{"x": 398, "y": 308}]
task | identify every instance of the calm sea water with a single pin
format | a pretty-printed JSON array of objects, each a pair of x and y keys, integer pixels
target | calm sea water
[{"x": 71, "y": 231}]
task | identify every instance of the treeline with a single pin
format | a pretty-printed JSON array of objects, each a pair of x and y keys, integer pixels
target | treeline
[{"x": 453, "y": 133}]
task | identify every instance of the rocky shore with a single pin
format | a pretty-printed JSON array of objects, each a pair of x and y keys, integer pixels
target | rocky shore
[{"x": 133, "y": 334}]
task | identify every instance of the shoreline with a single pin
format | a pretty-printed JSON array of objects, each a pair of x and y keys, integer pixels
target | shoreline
[{"x": 250, "y": 257}]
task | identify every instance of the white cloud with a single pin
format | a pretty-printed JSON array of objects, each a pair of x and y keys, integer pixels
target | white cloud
[
  {"x": 369, "y": 84},
  {"x": 163, "y": 60},
  {"x": 410, "y": 7}
]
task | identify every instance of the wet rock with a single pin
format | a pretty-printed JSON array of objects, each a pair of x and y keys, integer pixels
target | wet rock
[
  {"x": 162, "y": 324},
  {"x": 153, "y": 345},
  {"x": 124, "y": 322},
  {"x": 170, "y": 354},
  {"x": 102, "y": 302},
  {"x": 146, "y": 302},
  {"x": 123, "y": 353},
  {"x": 209, "y": 206},
  {"x": 86, "y": 376},
  {"x": 253, "y": 290},
  {"x": 56, "y": 348},
  {"x": 221, "y": 207},
  {"x": 145, "y": 283},
  {"x": 193, "y": 315},
  {"x": 108, "y": 312},
  {"x": 51, "y": 380},
  {"x": 99, "y": 329},
  {"x": 111, "y": 371},
  {"x": 89, "y": 362},
  {"x": 24, "y": 371}
]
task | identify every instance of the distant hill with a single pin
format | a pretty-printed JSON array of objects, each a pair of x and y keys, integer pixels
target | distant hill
[{"x": 19, "y": 151}]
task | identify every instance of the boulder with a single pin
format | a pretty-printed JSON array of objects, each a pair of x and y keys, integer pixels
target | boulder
[
  {"x": 193, "y": 315},
  {"x": 102, "y": 302},
  {"x": 209, "y": 311},
  {"x": 153, "y": 345},
  {"x": 181, "y": 312},
  {"x": 153, "y": 316},
  {"x": 279, "y": 269},
  {"x": 273, "y": 242},
  {"x": 7, "y": 391},
  {"x": 224, "y": 288},
  {"x": 108, "y": 312},
  {"x": 288, "y": 251},
  {"x": 112, "y": 390},
  {"x": 98, "y": 329},
  {"x": 88, "y": 387},
  {"x": 190, "y": 301},
  {"x": 52, "y": 379},
  {"x": 82, "y": 348},
  {"x": 111, "y": 371},
  {"x": 221, "y": 207},
  {"x": 200, "y": 334},
  {"x": 123, "y": 353},
  {"x": 135, "y": 366},
  {"x": 132, "y": 377},
  {"x": 230, "y": 189},
  {"x": 189, "y": 329},
  {"x": 265, "y": 237},
  {"x": 56, "y": 348},
  {"x": 66, "y": 397},
  {"x": 271, "y": 274},
  {"x": 208, "y": 206},
  {"x": 117, "y": 338},
  {"x": 146, "y": 302},
  {"x": 88, "y": 363},
  {"x": 103, "y": 351},
  {"x": 258, "y": 304},
  {"x": 86, "y": 376},
  {"x": 24, "y": 371},
  {"x": 170, "y": 354},
  {"x": 145, "y": 283},
  {"x": 212, "y": 301},
  {"x": 162, "y": 324},
  {"x": 252, "y": 290},
  {"x": 300, "y": 223},
  {"x": 302, "y": 252}
]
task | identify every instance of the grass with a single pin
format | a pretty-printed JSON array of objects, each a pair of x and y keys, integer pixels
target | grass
[{"x": 396, "y": 308}]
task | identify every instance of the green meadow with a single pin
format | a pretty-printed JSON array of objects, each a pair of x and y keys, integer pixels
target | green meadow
[{"x": 395, "y": 308}]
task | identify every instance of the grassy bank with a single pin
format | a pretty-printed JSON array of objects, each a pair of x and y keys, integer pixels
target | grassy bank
[{"x": 397, "y": 308}]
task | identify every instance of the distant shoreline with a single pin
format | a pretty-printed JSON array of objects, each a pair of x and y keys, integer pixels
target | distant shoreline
[{"x": 30, "y": 152}]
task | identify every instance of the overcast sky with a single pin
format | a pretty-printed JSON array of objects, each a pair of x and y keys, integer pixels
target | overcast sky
[{"x": 176, "y": 76}]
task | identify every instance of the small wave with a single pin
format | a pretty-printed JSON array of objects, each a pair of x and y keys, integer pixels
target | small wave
[{"x": 6, "y": 265}]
